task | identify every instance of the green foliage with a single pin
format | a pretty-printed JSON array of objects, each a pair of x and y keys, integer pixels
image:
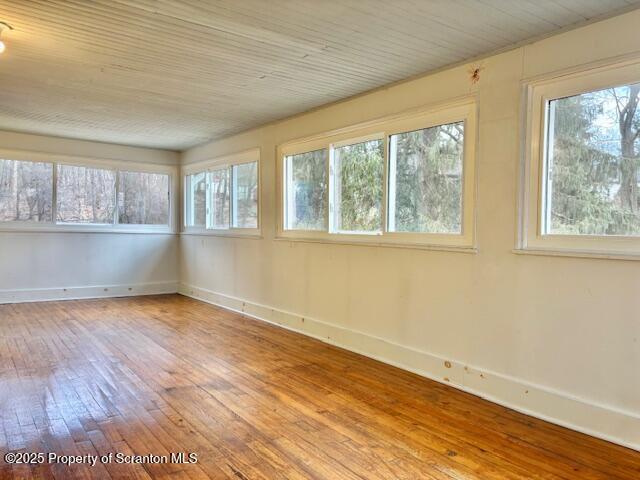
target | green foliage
[
  {"x": 309, "y": 174},
  {"x": 587, "y": 167},
  {"x": 593, "y": 174},
  {"x": 360, "y": 176},
  {"x": 428, "y": 186}
]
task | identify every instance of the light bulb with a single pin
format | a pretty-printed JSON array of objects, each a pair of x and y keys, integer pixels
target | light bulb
[{"x": 2, "y": 47}]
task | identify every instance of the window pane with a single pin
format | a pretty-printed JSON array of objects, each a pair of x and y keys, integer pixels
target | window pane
[
  {"x": 220, "y": 198},
  {"x": 196, "y": 200},
  {"x": 25, "y": 191},
  {"x": 307, "y": 191},
  {"x": 357, "y": 195},
  {"x": 425, "y": 180},
  {"x": 245, "y": 195},
  {"x": 85, "y": 195},
  {"x": 143, "y": 198},
  {"x": 593, "y": 163}
]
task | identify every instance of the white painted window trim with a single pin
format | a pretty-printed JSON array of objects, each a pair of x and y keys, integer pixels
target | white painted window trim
[
  {"x": 217, "y": 163},
  {"x": 462, "y": 109},
  {"x": 92, "y": 162},
  {"x": 536, "y": 94}
]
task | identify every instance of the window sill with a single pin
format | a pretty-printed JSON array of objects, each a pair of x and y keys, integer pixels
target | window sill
[
  {"x": 75, "y": 229},
  {"x": 378, "y": 243},
  {"x": 577, "y": 254},
  {"x": 48, "y": 227},
  {"x": 256, "y": 235}
]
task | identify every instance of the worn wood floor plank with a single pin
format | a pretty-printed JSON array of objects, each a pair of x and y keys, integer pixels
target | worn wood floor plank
[{"x": 167, "y": 374}]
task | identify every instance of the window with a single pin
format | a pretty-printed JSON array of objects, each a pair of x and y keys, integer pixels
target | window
[
  {"x": 196, "y": 200},
  {"x": 232, "y": 195},
  {"x": 92, "y": 196},
  {"x": 583, "y": 189},
  {"x": 26, "y": 191},
  {"x": 85, "y": 195},
  {"x": 357, "y": 174},
  {"x": 306, "y": 191},
  {"x": 245, "y": 195},
  {"x": 425, "y": 180},
  {"x": 593, "y": 163},
  {"x": 220, "y": 191},
  {"x": 143, "y": 198},
  {"x": 404, "y": 180}
]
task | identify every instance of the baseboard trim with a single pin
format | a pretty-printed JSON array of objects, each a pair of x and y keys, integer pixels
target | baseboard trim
[
  {"x": 561, "y": 408},
  {"x": 78, "y": 293}
]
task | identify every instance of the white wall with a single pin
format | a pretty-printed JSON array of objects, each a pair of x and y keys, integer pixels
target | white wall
[
  {"x": 558, "y": 337},
  {"x": 52, "y": 265}
]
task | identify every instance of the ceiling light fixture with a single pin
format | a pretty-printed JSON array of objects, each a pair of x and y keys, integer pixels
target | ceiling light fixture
[{"x": 3, "y": 25}]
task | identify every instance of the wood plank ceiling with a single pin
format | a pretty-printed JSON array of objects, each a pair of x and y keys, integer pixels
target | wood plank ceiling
[{"x": 169, "y": 74}]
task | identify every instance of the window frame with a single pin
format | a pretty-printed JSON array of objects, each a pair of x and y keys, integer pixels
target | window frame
[
  {"x": 233, "y": 199},
  {"x": 218, "y": 163},
  {"x": 209, "y": 209},
  {"x": 188, "y": 209},
  {"x": 115, "y": 165},
  {"x": 287, "y": 199},
  {"x": 537, "y": 94},
  {"x": 463, "y": 109},
  {"x": 331, "y": 207}
]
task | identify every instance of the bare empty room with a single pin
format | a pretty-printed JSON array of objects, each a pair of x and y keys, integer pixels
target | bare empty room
[{"x": 320, "y": 239}]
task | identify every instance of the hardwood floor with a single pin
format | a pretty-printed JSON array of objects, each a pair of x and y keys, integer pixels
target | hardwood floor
[{"x": 155, "y": 375}]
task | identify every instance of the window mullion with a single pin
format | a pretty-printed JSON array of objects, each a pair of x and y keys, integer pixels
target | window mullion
[
  {"x": 385, "y": 170},
  {"x": 116, "y": 209},
  {"x": 233, "y": 201},
  {"x": 187, "y": 199},
  {"x": 332, "y": 190},
  {"x": 547, "y": 185},
  {"x": 290, "y": 204},
  {"x": 54, "y": 194},
  {"x": 208, "y": 222},
  {"x": 391, "y": 184}
]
